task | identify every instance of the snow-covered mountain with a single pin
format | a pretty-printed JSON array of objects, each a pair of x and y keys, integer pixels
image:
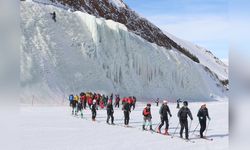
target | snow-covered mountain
[{"x": 80, "y": 52}]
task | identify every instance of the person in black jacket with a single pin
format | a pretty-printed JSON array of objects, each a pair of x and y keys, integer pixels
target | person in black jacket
[
  {"x": 110, "y": 112},
  {"x": 157, "y": 102},
  {"x": 203, "y": 115},
  {"x": 178, "y": 103},
  {"x": 164, "y": 112},
  {"x": 79, "y": 108},
  {"x": 183, "y": 113},
  {"x": 93, "y": 110},
  {"x": 126, "y": 111}
]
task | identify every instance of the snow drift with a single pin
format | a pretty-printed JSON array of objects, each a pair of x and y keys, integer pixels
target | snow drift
[{"x": 80, "y": 52}]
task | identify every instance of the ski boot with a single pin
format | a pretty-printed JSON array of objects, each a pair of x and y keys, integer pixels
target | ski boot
[
  {"x": 166, "y": 132},
  {"x": 150, "y": 128},
  {"x": 158, "y": 130}
]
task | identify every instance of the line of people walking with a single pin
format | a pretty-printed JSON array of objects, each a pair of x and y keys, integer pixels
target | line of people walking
[{"x": 95, "y": 101}]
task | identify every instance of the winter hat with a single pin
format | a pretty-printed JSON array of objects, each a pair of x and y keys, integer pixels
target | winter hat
[
  {"x": 185, "y": 103},
  {"x": 148, "y": 104},
  {"x": 204, "y": 105},
  {"x": 165, "y": 102}
]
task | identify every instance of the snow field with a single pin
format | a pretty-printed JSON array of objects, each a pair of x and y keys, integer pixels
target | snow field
[{"x": 52, "y": 128}]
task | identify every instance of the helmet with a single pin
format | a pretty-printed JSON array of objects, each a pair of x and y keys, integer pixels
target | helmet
[
  {"x": 185, "y": 103},
  {"x": 149, "y": 105},
  {"x": 165, "y": 102}
]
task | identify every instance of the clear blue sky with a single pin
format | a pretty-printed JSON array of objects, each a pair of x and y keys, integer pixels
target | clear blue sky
[{"x": 203, "y": 22}]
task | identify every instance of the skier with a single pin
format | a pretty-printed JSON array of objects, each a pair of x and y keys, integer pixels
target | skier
[
  {"x": 147, "y": 116},
  {"x": 53, "y": 16},
  {"x": 123, "y": 100},
  {"x": 84, "y": 98},
  {"x": 178, "y": 103},
  {"x": 134, "y": 101},
  {"x": 110, "y": 112},
  {"x": 90, "y": 101},
  {"x": 130, "y": 101},
  {"x": 74, "y": 104},
  {"x": 101, "y": 104},
  {"x": 164, "y": 112},
  {"x": 183, "y": 113},
  {"x": 71, "y": 98},
  {"x": 117, "y": 101},
  {"x": 157, "y": 102},
  {"x": 126, "y": 111},
  {"x": 203, "y": 115},
  {"x": 111, "y": 97},
  {"x": 79, "y": 108},
  {"x": 93, "y": 110}
]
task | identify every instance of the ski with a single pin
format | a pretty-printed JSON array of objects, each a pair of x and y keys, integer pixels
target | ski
[
  {"x": 151, "y": 131},
  {"x": 186, "y": 140},
  {"x": 205, "y": 138}
]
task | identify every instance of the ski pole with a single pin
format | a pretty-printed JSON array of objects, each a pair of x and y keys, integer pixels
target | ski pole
[
  {"x": 190, "y": 125},
  {"x": 157, "y": 126},
  {"x": 207, "y": 127},
  {"x": 175, "y": 130},
  {"x": 195, "y": 129}
]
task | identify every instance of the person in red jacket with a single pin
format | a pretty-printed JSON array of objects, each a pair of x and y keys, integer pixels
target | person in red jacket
[
  {"x": 130, "y": 101},
  {"x": 147, "y": 117},
  {"x": 124, "y": 100},
  {"x": 90, "y": 101}
]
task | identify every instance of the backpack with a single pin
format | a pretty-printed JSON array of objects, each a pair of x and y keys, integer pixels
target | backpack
[{"x": 71, "y": 97}]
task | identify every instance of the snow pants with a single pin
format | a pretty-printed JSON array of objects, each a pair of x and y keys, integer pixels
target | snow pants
[{"x": 184, "y": 124}]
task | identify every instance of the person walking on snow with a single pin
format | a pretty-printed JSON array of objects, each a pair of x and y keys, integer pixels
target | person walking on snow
[
  {"x": 71, "y": 98},
  {"x": 93, "y": 110},
  {"x": 147, "y": 117},
  {"x": 183, "y": 113},
  {"x": 178, "y": 103},
  {"x": 110, "y": 112},
  {"x": 74, "y": 104},
  {"x": 157, "y": 102},
  {"x": 164, "y": 112},
  {"x": 79, "y": 108},
  {"x": 117, "y": 101},
  {"x": 126, "y": 111},
  {"x": 203, "y": 115},
  {"x": 134, "y": 102}
]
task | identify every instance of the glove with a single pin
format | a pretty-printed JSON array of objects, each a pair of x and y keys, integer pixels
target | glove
[
  {"x": 170, "y": 115},
  {"x": 192, "y": 119},
  {"x": 209, "y": 118}
]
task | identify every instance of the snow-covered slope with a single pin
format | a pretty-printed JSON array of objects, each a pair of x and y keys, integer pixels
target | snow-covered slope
[
  {"x": 206, "y": 57},
  {"x": 80, "y": 52}
]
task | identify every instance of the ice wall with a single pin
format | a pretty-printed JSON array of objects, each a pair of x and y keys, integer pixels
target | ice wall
[{"x": 80, "y": 52}]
